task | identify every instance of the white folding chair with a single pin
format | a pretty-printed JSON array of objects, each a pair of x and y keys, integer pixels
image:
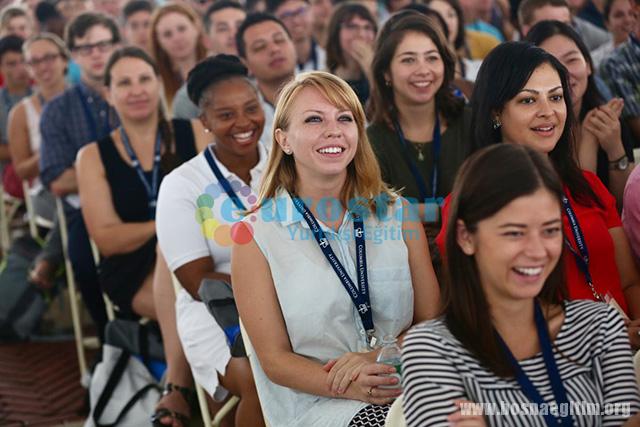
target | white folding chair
[
  {"x": 9, "y": 206},
  {"x": 202, "y": 398},
  {"x": 395, "y": 416},
  {"x": 82, "y": 342},
  {"x": 35, "y": 220}
]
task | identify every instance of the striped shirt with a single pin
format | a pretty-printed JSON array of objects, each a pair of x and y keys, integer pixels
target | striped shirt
[{"x": 592, "y": 352}]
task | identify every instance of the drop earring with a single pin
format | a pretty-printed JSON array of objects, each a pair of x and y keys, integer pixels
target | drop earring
[{"x": 496, "y": 123}]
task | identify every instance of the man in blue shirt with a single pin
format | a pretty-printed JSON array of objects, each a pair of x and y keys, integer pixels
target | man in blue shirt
[
  {"x": 77, "y": 117},
  {"x": 621, "y": 71}
]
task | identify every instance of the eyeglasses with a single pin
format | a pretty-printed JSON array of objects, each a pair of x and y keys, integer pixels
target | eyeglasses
[
  {"x": 352, "y": 28},
  {"x": 46, "y": 59},
  {"x": 290, "y": 15},
  {"x": 86, "y": 49}
]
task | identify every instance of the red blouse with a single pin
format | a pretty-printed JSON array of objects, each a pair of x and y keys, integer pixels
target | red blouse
[{"x": 595, "y": 223}]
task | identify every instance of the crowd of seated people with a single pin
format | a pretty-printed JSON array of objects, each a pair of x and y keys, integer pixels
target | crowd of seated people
[{"x": 457, "y": 177}]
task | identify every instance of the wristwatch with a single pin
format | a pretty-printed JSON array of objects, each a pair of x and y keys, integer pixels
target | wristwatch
[{"x": 620, "y": 164}]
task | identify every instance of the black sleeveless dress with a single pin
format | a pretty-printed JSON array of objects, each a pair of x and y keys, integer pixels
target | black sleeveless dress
[{"x": 122, "y": 275}]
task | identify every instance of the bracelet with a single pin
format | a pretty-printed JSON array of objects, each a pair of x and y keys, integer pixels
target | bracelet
[{"x": 611, "y": 162}]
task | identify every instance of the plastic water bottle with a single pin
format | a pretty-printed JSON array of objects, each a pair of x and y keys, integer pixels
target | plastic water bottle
[{"x": 390, "y": 355}]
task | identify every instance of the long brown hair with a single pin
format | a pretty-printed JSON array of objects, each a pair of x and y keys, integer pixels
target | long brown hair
[
  {"x": 383, "y": 106},
  {"x": 364, "y": 180},
  {"x": 488, "y": 181},
  {"x": 170, "y": 79}
]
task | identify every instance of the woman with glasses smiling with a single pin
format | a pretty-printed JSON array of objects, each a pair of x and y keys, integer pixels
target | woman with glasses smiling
[
  {"x": 47, "y": 59},
  {"x": 352, "y": 32}
]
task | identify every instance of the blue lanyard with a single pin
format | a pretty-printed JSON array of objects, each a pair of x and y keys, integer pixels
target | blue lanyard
[
  {"x": 314, "y": 58},
  {"x": 525, "y": 383},
  {"x": 91, "y": 121},
  {"x": 360, "y": 295},
  {"x": 417, "y": 176},
  {"x": 582, "y": 255},
  {"x": 151, "y": 189},
  {"x": 222, "y": 180}
]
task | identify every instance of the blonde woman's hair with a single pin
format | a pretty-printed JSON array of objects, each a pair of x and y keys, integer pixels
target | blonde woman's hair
[
  {"x": 364, "y": 181},
  {"x": 51, "y": 38}
]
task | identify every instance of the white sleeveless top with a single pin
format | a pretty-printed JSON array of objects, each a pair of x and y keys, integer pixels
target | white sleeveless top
[
  {"x": 33, "y": 124},
  {"x": 321, "y": 320}
]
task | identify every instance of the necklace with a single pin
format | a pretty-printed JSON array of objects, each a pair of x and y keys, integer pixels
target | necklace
[{"x": 419, "y": 146}]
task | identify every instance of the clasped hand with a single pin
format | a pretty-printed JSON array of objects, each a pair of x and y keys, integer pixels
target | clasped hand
[
  {"x": 604, "y": 124},
  {"x": 357, "y": 376}
]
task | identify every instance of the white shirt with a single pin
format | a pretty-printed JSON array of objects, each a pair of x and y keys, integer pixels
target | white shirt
[
  {"x": 186, "y": 224},
  {"x": 320, "y": 317},
  {"x": 317, "y": 60},
  {"x": 193, "y": 219}
]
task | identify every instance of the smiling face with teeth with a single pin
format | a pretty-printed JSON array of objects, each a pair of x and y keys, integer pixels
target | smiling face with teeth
[
  {"x": 416, "y": 71},
  {"x": 234, "y": 116},
  {"x": 322, "y": 137},
  {"x": 517, "y": 248},
  {"x": 536, "y": 116}
]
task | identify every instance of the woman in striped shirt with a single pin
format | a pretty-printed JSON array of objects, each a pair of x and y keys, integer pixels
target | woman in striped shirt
[{"x": 508, "y": 341}]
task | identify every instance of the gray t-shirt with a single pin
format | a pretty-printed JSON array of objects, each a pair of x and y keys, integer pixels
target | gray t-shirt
[
  {"x": 183, "y": 108},
  {"x": 7, "y": 102}
]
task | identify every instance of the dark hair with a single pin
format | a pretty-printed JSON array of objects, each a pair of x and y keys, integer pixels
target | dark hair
[
  {"x": 135, "y": 6},
  {"x": 217, "y": 6},
  {"x": 272, "y": 5},
  {"x": 425, "y": 10},
  {"x": 391, "y": 35},
  {"x": 212, "y": 71},
  {"x": 527, "y": 8},
  {"x": 252, "y": 5},
  {"x": 504, "y": 72},
  {"x": 459, "y": 42},
  {"x": 341, "y": 15},
  {"x": 45, "y": 11},
  {"x": 252, "y": 19},
  {"x": 606, "y": 10},
  {"x": 10, "y": 43},
  {"x": 544, "y": 30},
  {"x": 487, "y": 181},
  {"x": 82, "y": 23},
  {"x": 170, "y": 160}
]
